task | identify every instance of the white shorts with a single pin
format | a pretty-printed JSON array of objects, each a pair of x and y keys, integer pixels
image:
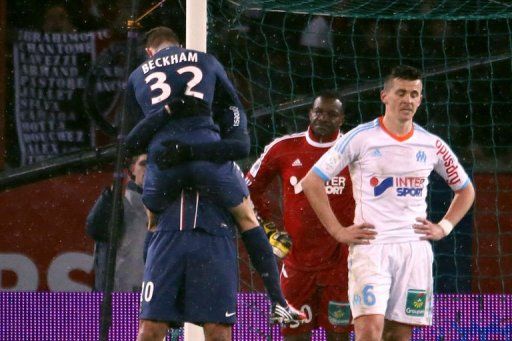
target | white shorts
[{"x": 394, "y": 280}]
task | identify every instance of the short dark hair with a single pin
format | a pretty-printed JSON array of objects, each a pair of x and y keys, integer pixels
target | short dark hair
[
  {"x": 158, "y": 35},
  {"x": 330, "y": 94},
  {"x": 405, "y": 72},
  {"x": 132, "y": 162}
]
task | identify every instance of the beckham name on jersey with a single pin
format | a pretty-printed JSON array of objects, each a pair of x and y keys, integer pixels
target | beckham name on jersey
[{"x": 169, "y": 60}]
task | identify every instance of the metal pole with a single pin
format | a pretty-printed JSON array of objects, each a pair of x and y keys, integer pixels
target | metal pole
[
  {"x": 196, "y": 18},
  {"x": 115, "y": 219}
]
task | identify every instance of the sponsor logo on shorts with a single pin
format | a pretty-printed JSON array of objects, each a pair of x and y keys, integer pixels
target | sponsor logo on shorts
[
  {"x": 416, "y": 302},
  {"x": 228, "y": 314},
  {"x": 339, "y": 313},
  {"x": 405, "y": 186}
]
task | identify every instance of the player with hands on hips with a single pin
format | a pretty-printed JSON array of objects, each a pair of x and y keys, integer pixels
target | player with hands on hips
[
  {"x": 314, "y": 271},
  {"x": 390, "y": 160},
  {"x": 357, "y": 234},
  {"x": 430, "y": 230}
]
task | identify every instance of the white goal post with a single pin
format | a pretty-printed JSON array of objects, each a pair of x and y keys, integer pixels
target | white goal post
[{"x": 196, "y": 17}]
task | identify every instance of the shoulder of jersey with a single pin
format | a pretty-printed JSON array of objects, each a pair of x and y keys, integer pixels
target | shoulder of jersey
[
  {"x": 357, "y": 134},
  {"x": 364, "y": 127},
  {"x": 290, "y": 138},
  {"x": 369, "y": 126},
  {"x": 423, "y": 131}
]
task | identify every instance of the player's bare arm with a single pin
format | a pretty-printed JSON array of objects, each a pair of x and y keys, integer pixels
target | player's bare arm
[
  {"x": 313, "y": 187},
  {"x": 460, "y": 205}
]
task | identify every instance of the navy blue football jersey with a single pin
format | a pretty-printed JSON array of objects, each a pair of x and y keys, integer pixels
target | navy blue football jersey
[{"x": 174, "y": 72}]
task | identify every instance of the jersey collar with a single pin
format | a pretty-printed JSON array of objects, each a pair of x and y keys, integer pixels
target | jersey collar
[
  {"x": 399, "y": 138},
  {"x": 165, "y": 49},
  {"x": 313, "y": 140}
]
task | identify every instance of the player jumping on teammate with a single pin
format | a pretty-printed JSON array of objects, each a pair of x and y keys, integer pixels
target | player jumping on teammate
[{"x": 173, "y": 74}]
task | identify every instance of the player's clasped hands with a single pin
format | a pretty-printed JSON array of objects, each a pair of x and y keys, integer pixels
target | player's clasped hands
[
  {"x": 429, "y": 230},
  {"x": 356, "y": 234}
]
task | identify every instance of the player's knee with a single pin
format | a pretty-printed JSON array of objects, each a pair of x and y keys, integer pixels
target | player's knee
[
  {"x": 149, "y": 331},
  {"x": 345, "y": 336},
  {"x": 391, "y": 336},
  {"x": 368, "y": 331},
  {"x": 396, "y": 331},
  {"x": 217, "y": 332},
  {"x": 369, "y": 334}
]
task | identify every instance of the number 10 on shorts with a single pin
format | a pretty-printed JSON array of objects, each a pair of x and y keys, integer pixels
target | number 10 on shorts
[{"x": 147, "y": 291}]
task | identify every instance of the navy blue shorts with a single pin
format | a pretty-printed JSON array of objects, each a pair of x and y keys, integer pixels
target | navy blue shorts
[
  {"x": 223, "y": 182},
  {"x": 190, "y": 276}
]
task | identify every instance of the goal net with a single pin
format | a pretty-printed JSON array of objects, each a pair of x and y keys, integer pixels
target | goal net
[{"x": 281, "y": 54}]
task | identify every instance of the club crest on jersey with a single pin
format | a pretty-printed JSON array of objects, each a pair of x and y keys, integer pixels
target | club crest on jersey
[
  {"x": 421, "y": 156},
  {"x": 405, "y": 186},
  {"x": 376, "y": 153}
]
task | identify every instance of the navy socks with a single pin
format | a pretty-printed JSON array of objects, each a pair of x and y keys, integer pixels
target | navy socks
[{"x": 262, "y": 258}]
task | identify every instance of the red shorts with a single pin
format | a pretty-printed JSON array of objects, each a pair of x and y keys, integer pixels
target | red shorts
[{"x": 322, "y": 295}]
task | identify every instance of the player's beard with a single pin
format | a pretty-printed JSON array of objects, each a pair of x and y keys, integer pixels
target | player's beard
[{"x": 323, "y": 130}]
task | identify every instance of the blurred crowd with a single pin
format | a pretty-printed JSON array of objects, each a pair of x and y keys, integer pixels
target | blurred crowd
[{"x": 279, "y": 61}]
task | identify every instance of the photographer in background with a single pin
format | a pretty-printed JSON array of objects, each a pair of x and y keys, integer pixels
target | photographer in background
[{"x": 129, "y": 260}]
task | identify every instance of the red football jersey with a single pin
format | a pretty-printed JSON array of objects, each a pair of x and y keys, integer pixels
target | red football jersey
[{"x": 290, "y": 158}]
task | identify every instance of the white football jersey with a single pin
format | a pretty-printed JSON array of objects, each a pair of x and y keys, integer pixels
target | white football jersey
[{"x": 390, "y": 175}]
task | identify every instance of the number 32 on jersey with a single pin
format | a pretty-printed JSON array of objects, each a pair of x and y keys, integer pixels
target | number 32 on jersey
[{"x": 165, "y": 88}]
